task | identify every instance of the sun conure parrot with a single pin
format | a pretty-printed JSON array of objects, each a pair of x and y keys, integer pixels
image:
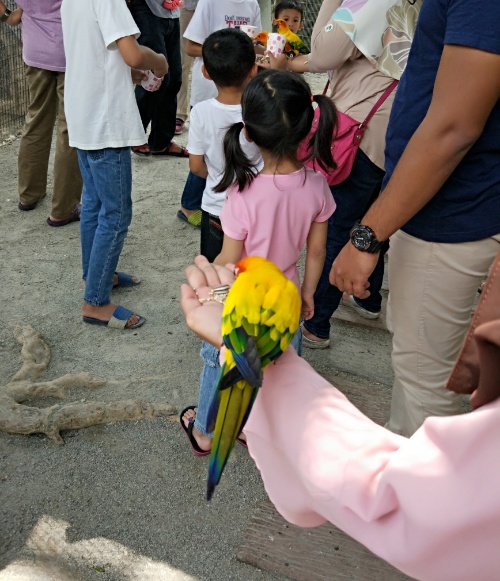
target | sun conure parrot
[
  {"x": 260, "y": 317},
  {"x": 262, "y": 38},
  {"x": 294, "y": 41}
]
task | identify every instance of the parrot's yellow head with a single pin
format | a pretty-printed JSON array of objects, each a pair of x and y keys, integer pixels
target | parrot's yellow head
[
  {"x": 253, "y": 263},
  {"x": 261, "y": 38},
  {"x": 281, "y": 25}
]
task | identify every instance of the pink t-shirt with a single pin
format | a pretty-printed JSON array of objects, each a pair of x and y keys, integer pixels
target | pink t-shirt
[
  {"x": 42, "y": 34},
  {"x": 274, "y": 215}
]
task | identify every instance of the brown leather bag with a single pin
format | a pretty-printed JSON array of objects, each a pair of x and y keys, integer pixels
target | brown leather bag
[{"x": 477, "y": 370}]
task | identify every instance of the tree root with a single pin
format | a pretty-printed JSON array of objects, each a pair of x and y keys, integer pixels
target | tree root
[{"x": 17, "y": 418}]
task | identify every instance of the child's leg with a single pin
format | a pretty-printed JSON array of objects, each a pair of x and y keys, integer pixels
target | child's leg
[
  {"x": 111, "y": 172},
  {"x": 296, "y": 342},
  {"x": 208, "y": 383},
  {"x": 91, "y": 206},
  {"x": 212, "y": 236}
]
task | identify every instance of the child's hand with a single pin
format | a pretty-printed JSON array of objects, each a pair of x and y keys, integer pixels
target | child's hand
[
  {"x": 279, "y": 62},
  {"x": 307, "y": 310},
  {"x": 138, "y": 76},
  {"x": 161, "y": 69},
  {"x": 204, "y": 318}
]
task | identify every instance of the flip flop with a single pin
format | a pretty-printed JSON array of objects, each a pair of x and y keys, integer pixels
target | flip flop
[
  {"x": 189, "y": 433},
  {"x": 125, "y": 280},
  {"x": 75, "y": 217},
  {"x": 118, "y": 320},
  {"x": 168, "y": 151},
  {"x": 242, "y": 442},
  {"x": 193, "y": 219}
]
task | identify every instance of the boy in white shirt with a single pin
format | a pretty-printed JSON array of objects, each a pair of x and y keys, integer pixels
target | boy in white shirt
[
  {"x": 229, "y": 61},
  {"x": 103, "y": 123},
  {"x": 210, "y": 16}
]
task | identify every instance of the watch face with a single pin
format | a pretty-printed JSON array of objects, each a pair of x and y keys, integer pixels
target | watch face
[{"x": 361, "y": 238}]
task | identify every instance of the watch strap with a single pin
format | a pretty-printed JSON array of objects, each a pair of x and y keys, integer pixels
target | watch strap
[{"x": 5, "y": 15}]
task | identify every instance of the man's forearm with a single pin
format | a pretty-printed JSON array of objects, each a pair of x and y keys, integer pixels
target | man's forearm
[{"x": 418, "y": 176}]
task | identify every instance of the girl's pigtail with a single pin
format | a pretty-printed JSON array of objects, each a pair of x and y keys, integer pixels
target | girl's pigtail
[
  {"x": 238, "y": 168},
  {"x": 321, "y": 142}
]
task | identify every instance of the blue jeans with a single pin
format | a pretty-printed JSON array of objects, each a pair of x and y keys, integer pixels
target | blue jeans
[
  {"x": 193, "y": 192},
  {"x": 353, "y": 198},
  {"x": 209, "y": 378},
  {"x": 159, "y": 107},
  {"x": 105, "y": 218}
]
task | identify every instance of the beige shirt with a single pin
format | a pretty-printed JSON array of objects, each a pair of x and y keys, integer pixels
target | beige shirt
[{"x": 355, "y": 84}]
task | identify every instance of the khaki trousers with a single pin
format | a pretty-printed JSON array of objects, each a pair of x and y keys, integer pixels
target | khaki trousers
[
  {"x": 187, "y": 62},
  {"x": 432, "y": 287},
  {"x": 46, "y": 90}
]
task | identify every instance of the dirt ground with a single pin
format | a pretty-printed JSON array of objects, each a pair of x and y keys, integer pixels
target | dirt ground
[{"x": 125, "y": 501}]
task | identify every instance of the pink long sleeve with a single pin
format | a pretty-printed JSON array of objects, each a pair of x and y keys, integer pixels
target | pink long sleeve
[{"x": 430, "y": 505}]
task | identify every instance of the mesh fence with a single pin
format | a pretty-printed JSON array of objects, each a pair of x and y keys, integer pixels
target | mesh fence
[
  {"x": 311, "y": 9},
  {"x": 13, "y": 87}
]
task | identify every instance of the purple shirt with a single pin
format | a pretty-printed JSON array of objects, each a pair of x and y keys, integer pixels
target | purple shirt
[{"x": 42, "y": 34}]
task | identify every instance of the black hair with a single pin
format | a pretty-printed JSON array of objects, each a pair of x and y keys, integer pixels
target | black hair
[
  {"x": 288, "y": 5},
  {"x": 277, "y": 113},
  {"x": 228, "y": 56}
]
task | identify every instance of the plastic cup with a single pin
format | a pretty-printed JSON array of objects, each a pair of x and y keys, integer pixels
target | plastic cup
[
  {"x": 250, "y": 30},
  {"x": 276, "y": 43},
  {"x": 152, "y": 83}
]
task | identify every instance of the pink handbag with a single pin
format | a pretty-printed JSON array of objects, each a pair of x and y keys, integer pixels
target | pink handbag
[{"x": 348, "y": 136}]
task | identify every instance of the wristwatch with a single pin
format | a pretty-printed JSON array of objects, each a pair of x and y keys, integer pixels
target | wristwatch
[
  {"x": 363, "y": 238},
  {"x": 5, "y": 15}
]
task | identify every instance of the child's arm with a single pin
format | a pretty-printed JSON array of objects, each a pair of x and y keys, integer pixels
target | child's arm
[
  {"x": 198, "y": 166},
  {"x": 193, "y": 48},
  {"x": 315, "y": 259},
  {"x": 231, "y": 251},
  {"x": 141, "y": 57}
]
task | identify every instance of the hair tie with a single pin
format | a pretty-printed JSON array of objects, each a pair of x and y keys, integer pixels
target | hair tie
[{"x": 312, "y": 98}]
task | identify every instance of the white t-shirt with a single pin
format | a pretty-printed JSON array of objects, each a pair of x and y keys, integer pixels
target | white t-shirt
[
  {"x": 208, "y": 124},
  {"x": 99, "y": 100},
  {"x": 209, "y": 16}
]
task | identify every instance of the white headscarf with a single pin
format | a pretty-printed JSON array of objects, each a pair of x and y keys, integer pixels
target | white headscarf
[{"x": 381, "y": 29}]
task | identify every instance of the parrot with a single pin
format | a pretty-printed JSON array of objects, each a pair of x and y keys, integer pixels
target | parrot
[
  {"x": 295, "y": 41},
  {"x": 260, "y": 317},
  {"x": 262, "y": 37}
]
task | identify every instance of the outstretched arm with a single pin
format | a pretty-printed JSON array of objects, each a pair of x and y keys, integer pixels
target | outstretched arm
[{"x": 455, "y": 119}]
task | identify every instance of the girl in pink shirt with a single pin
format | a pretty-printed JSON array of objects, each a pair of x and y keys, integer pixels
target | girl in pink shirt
[{"x": 274, "y": 212}]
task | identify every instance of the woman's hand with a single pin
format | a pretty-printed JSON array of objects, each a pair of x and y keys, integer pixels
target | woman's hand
[{"x": 204, "y": 318}]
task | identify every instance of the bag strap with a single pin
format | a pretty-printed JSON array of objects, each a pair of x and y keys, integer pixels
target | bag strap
[{"x": 377, "y": 105}]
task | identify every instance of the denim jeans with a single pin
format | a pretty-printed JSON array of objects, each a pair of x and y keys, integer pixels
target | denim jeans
[
  {"x": 105, "y": 217},
  {"x": 209, "y": 378},
  {"x": 159, "y": 107},
  {"x": 212, "y": 236},
  {"x": 353, "y": 197},
  {"x": 193, "y": 192}
]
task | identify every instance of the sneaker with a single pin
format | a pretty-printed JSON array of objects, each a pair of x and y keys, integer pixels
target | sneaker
[
  {"x": 350, "y": 301},
  {"x": 179, "y": 126},
  {"x": 314, "y": 344}
]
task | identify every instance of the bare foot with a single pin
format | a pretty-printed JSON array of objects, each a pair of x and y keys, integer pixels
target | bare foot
[
  {"x": 204, "y": 442},
  {"x": 104, "y": 313}
]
